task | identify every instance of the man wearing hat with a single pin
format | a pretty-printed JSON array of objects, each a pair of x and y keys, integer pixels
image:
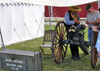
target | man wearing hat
[
  {"x": 92, "y": 16},
  {"x": 72, "y": 18}
]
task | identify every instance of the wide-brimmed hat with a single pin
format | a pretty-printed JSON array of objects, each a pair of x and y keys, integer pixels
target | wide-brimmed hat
[{"x": 75, "y": 8}]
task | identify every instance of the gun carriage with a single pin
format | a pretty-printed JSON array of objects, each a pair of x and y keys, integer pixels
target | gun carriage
[
  {"x": 75, "y": 35},
  {"x": 62, "y": 37}
]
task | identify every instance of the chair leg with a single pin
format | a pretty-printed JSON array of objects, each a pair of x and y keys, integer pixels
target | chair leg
[
  {"x": 51, "y": 48},
  {"x": 42, "y": 50}
]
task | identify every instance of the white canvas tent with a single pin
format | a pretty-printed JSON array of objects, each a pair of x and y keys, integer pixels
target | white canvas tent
[
  {"x": 60, "y": 3},
  {"x": 21, "y": 21}
]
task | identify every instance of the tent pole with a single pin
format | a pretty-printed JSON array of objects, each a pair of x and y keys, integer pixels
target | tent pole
[
  {"x": 49, "y": 16},
  {"x": 98, "y": 4},
  {"x": 51, "y": 13}
]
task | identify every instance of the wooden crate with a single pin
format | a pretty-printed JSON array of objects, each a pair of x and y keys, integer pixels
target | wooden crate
[{"x": 19, "y": 60}]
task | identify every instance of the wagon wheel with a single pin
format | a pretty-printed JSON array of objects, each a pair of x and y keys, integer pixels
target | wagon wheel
[
  {"x": 58, "y": 47},
  {"x": 94, "y": 53}
]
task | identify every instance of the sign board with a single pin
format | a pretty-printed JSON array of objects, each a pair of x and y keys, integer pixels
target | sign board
[{"x": 19, "y": 60}]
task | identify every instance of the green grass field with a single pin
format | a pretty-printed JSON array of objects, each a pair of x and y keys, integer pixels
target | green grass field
[{"x": 68, "y": 64}]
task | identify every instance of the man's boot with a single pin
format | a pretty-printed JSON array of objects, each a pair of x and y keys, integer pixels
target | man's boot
[
  {"x": 73, "y": 52},
  {"x": 73, "y": 56},
  {"x": 77, "y": 54}
]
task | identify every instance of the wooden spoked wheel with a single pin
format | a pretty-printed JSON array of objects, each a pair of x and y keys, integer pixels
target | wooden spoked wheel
[
  {"x": 94, "y": 53},
  {"x": 58, "y": 47},
  {"x": 94, "y": 59}
]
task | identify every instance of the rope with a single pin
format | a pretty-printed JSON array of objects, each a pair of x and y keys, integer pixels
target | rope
[
  {"x": 37, "y": 22},
  {"x": 14, "y": 28},
  {"x": 26, "y": 27}
]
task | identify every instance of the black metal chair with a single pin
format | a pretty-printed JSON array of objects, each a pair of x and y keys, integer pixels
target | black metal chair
[{"x": 47, "y": 41}]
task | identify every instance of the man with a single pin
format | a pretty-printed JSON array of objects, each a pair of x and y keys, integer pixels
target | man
[
  {"x": 72, "y": 18},
  {"x": 91, "y": 17}
]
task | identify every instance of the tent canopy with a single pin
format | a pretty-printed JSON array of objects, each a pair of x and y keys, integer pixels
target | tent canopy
[{"x": 59, "y": 3}]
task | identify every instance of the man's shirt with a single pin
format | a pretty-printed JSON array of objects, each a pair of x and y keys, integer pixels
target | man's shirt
[
  {"x": 91, "y": 17},
  {"x": 67, "y": 19}
]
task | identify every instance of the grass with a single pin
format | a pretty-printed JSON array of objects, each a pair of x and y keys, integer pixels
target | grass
[{"x": 68, "y": 64}]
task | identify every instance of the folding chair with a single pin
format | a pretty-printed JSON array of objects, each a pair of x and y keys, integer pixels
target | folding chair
[{"x": 47, "y": 41}]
